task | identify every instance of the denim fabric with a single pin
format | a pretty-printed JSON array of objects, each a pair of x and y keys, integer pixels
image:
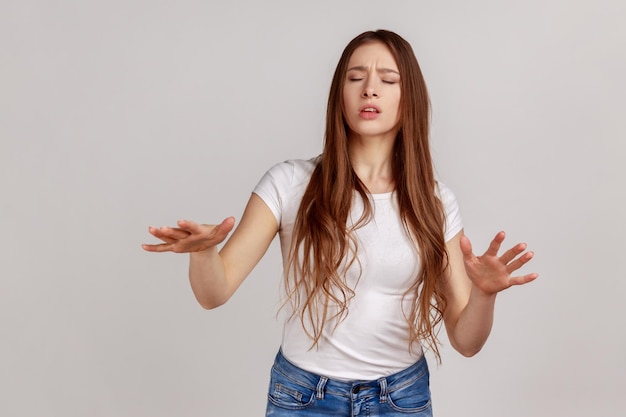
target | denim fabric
[{"x": 296, "y": 392}]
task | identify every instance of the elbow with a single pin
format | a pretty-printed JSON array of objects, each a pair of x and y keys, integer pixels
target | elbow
[
  {"x": 467, "y": 350},
  {"x": 211, "y": 298},
  {"x": 210, "y": 304},
  {"x": 468, "y": 353}
]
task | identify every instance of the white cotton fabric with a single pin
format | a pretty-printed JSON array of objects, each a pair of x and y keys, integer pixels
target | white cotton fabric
[{"x": 372, "y": 341}]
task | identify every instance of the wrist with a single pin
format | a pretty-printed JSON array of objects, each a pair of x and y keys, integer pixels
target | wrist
[
  {"x": 481, "y": 295},
  {"x": 205, "y": 253}
]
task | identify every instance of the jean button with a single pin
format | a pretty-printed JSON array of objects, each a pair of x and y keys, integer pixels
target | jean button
[{"x": 355, "y": 390}]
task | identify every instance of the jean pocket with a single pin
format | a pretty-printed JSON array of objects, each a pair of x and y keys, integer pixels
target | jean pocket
[
  {"x": 288, "y": 394},
  {"x": 411, "y": 397}
]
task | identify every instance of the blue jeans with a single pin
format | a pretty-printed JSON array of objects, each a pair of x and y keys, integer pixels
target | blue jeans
[{"x": 296, "y": 392}]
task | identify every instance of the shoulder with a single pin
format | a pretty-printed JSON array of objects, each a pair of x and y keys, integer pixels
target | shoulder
[
  {"x": 453, "y": 219},
  {"x": 444, "y": 193},
  {"x": 298, "y": 166},
  {"x": 293, "y": 171},
  {"x": 284, "y": 183}
]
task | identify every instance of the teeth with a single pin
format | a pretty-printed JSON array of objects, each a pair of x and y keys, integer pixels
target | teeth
[{"x": 369, "y": 109}]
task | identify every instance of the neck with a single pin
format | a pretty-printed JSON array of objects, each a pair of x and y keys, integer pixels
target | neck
[{"x": 372, "y": 160}]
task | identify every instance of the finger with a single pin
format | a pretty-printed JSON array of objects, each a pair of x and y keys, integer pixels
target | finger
[
  {"x": 519, "y": 262},
  {"x": 163, "y": 231},
  {"x": 219, "y": 232},
  {"x": 189, "y": 226},
  {"x": 167, "y": 234},
  {"x": 223, "y": 229},
  {"x": 524, "y": 279},
  {"x": 509, "y": 255},
  {"x": 163, "y": 247},
  {"x": 173, "y": 233},
  {"x": 495, "y": 244},
  {"x": 156, "y": 232},
  {"x": 466, "y": 248}
]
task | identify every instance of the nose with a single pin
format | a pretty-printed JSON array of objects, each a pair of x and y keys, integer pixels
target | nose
[{"x": 369, "y": 92}]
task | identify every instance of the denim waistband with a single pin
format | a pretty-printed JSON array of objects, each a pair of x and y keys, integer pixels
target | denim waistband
[{"x": 381, "y": 386}]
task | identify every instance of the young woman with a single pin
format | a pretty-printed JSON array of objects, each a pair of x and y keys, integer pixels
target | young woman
[{"x": 373, "y": 249}]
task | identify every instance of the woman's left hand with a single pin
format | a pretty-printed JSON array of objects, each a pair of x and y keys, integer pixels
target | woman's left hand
[{"x": 491, "y": 273}]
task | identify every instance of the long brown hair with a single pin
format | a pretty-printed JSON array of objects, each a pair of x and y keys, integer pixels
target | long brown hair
[{"x": 323, "y": 244}]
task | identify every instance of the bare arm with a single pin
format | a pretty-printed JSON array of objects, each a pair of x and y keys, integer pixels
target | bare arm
[
  {"x": 215, "y": 276},
  {"x": 472, "y": 283}
]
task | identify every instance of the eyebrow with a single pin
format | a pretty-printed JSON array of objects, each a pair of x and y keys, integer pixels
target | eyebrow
[{"x": 364, "y": 68}]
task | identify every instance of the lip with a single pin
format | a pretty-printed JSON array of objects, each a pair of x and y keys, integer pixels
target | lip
[
  {"x": 369, "y": 115},
  {"x": 370, "y": 106}
]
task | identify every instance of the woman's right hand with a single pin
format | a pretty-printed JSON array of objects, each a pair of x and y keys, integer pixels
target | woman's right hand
[
  {"x": 216, "y": 275},
  {"x": 189, "y": 236}
]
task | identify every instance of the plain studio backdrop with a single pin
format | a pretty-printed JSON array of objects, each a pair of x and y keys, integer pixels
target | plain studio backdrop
[{"x": 117, "y": 115}]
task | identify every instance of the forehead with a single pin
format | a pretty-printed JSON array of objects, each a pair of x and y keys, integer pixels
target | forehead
[{"x": 373, "y": 53}]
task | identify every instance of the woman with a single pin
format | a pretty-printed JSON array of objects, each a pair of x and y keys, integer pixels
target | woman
[{"x": 373, "y": 250}]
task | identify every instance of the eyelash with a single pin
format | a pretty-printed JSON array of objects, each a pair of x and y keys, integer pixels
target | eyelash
[{"x": 361, "y": 79}]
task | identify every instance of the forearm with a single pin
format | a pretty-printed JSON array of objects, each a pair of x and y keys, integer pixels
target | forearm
[
  {"x": 207, "y": 276},
  {"x": 472, "y": 329}
]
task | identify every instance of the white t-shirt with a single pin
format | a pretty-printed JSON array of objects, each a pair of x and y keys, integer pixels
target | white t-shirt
[{"x": 372, "y": 341}]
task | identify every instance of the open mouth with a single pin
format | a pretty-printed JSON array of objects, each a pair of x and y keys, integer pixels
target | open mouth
[
  {"x": 369, "y": 112},
  {"x": 369, "y": 108}
]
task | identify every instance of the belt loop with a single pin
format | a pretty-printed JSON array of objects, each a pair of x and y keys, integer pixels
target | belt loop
[
  {"x": 320, "y": 387},
  {"x": 383, "y": 389}
]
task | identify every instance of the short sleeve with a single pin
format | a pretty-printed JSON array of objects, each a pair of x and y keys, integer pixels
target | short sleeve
[
  {"x": 274, "y": 186},
  {"x": 454, "y": 222}
]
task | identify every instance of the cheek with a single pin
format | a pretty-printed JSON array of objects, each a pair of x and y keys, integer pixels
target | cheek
[
  {"x": 398, "y": 106},
  {"x": 346, "y": 99},
  {"x": 350, "y": 112},
  {"x": 349, "y": 116}
]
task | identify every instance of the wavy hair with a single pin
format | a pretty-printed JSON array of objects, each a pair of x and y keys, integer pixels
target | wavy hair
[{"x": 323, "y": 244}]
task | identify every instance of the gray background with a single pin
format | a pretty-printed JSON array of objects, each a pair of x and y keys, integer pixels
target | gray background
[{"x": 116, "y": 115}]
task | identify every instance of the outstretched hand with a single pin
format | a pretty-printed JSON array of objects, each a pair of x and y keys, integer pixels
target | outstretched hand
[
  {"x": 189, "y": 236},
  {"x": 492, "y": 273}
]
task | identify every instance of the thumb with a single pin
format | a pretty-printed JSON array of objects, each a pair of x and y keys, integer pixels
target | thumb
[
  {"x": 224, "y": 228},
  {"x": 466, "y": 248}
]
